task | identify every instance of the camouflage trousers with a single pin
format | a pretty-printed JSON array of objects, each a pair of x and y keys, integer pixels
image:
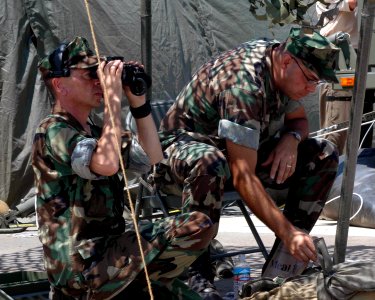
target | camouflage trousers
[
  {"x": 199, "y": 171},
  {"x": 170, "y": 246}
]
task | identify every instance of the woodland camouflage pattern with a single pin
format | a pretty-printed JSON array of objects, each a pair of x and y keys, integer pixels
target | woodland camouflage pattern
[
  {"x": 236, "y": 86},
  {"x": 86, "y": 251},
  {"x": 281, "y": 11},
  {"x": 77, "y": 55},
  {"x": 316, "y": 52},
  {"x": 232, "y": 86}
]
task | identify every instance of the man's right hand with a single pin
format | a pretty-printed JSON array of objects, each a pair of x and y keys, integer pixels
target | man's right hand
[
  {"x": 242, "y": 162},
  {"x": 300, "y": 245}
]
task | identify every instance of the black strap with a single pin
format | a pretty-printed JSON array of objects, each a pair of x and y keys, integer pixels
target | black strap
[{"x": 141, "y": 111}]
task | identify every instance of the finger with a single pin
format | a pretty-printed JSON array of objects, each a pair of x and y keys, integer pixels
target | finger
[
  {"x": 299, "y": 255},
  {"x": 102, "y": 65},
  {"x": 134, "y": 62},
  {"x": 311, "y": 251},
  {"x": 114, "y": 66},
  {"x": 268, "y": 160},
  {"x": 291, "y": 164},
  {"x": 108, "y": 66},
  {"x": 117, "y": 62},
  {"x": 283, "y": 172},
  {"x": 311, "y": 255},
  {"x": 120, "y": 67},
  {"x": 304, "y": 257},
  {"x": 289, "y": 171},
  {"x": 275, "y": 168}
]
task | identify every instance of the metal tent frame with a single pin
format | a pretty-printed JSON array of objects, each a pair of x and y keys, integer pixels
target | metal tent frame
[{"x": 352, "y": 143}]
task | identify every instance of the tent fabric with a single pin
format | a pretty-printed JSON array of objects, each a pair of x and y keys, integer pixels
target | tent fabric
[{"x": 184, "y": 35}]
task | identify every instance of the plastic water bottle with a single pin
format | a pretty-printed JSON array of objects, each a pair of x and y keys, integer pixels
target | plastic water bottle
[{"x": 241, "y": 275}]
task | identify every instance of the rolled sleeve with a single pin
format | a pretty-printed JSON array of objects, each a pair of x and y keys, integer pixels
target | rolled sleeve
[
  {"x": 138, "y": 159},
  {"x": 238, "y": 134},
  {"x": 81, "y": 159}
]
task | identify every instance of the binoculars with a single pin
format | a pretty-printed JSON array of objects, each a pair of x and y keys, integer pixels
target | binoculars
[{"x": 132, "y": 75}]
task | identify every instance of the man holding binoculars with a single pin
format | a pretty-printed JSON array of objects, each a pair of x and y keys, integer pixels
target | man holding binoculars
[{"x": 89, "y": 251}]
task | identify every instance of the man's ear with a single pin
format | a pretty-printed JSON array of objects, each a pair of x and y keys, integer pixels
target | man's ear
[
  {"x": 58, "y": 86},
  {"x": 286, "y": 60}
]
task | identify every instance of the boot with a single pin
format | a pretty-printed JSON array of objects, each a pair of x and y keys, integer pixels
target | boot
[
  {"x": 223, "y": 265},
  {"x": 201, "y": 278}
]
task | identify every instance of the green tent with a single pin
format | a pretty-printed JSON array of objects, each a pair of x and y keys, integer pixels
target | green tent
[{"x": 184, "y": 35}]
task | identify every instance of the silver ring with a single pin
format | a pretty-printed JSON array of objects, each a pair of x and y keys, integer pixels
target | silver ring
[{"x": 288, "y": 166}]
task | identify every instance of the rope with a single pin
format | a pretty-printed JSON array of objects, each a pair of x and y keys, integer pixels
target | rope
[
  {"x": 358, "y": 210},
  {"x": 338, "y": 130},
  {"x": 120, "y": 156},
  {"x": 367, "y": 132},
  {"x": 367, "y": 118}
]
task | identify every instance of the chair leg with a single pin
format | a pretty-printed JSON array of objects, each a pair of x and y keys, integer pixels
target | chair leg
[
  {"x": 143, "y": 207},
  {"x": 138, "y": 202},
  {"x": 162, "y": 204},
  {"x": 252, "y": 228}
]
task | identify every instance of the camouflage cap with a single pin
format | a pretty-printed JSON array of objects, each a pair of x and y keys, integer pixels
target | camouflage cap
[
  {"x": 74, "y": 55},
  {"x": 317, "y": 53}
]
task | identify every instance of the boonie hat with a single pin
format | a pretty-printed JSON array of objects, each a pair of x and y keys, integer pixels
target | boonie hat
[
  {"x": 74, "y": 55},
  {"x": 316, "y": 52}
]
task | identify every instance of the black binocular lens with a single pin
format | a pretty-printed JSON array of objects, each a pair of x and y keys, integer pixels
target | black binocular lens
[{"x": 136, "y": 78}]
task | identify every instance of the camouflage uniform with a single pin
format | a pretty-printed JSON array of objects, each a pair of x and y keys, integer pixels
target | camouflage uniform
[
  {"x": 235, "y": 88},
  {"x": 86, "y": 249}
]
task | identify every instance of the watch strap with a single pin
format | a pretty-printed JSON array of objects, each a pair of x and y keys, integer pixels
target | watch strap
[{"x": 296, "y": 135}]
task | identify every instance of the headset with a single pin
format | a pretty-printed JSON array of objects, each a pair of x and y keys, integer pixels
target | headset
[{"x": 58, "y": 60}]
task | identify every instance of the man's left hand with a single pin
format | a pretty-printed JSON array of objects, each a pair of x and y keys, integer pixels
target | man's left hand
[{"x": 283, "y": 158}]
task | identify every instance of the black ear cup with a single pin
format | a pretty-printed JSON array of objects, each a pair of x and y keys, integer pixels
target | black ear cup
[{"x": 58, "y": 61}]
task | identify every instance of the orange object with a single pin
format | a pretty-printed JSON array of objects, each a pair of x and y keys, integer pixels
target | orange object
[{"x": 347, "y": 81}]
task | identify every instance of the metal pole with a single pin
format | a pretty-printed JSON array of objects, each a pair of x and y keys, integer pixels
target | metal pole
[
  {"x": 146, "y": 42},
  {"x": 352, "y": 143}
]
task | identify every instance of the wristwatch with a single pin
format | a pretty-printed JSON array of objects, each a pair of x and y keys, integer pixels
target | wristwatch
[{"x": 296, "y": 135}]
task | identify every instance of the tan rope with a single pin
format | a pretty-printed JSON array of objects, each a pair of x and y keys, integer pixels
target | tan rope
[{"x": 120, "y": 156}]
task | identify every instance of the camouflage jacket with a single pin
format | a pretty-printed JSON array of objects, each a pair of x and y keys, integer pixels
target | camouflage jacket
[
  {"x": 235, "y": 86},
  {"x": 75, "y": 215}
]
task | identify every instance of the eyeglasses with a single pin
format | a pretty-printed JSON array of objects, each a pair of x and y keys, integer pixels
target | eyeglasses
[
  {"x": 309, "y": 80},
  {"x": 92, "y": 72}
]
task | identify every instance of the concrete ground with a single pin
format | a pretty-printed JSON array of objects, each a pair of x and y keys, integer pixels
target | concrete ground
[{"x": 22, "y": 251}]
